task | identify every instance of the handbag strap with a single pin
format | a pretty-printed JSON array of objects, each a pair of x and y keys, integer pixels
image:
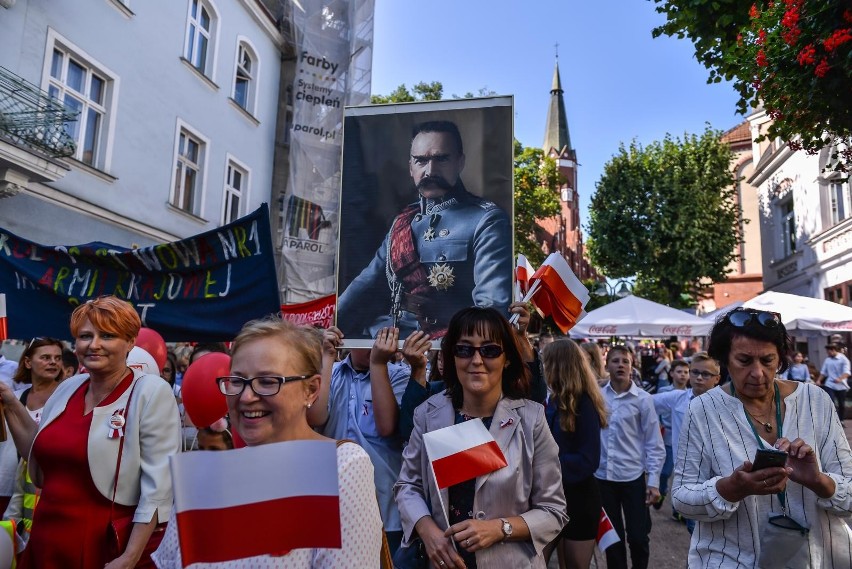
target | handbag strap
[{"x": 121, "y": 449}]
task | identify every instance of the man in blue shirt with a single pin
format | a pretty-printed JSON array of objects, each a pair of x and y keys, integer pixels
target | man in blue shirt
[{"x": 359, "y": 400}]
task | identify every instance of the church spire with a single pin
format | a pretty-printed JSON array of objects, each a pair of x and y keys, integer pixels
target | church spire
[{"x": 556, "y": 130}]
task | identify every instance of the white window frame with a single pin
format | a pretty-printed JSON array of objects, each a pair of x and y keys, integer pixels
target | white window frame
[
  {"x": 840, "y": 205},
  {"x": 107, "y": 108},
  {"x": 787, "y": 227},
  {"x": 209, "y": 67},
  {"x": 242, "y": 193},
  {"x": 244, "y": 44},
  {"x": 201, "y": 176}
]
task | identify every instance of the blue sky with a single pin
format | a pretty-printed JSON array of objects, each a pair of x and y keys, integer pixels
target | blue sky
[{"x": 619, "y": 82}]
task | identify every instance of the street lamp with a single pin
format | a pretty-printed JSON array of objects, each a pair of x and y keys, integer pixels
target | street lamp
[{"x": 619, "y": 289}]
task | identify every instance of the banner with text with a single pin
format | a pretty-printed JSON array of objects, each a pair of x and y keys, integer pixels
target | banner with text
[
  {"x": 334, "y": 47},
  {"x": 203, "y": 288},
  {"x": 319, "y": 312}
]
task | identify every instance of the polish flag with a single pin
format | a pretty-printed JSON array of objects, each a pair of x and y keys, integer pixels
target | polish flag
[
  {"x": 287, "y": 493},
  {"x": 560, "y": 293},
  {"x": 461, "y": 452},
  {"x": 606, "y": 533},
  {"x": 4, "y": 328},
  {"x": 523, "y": 273}
]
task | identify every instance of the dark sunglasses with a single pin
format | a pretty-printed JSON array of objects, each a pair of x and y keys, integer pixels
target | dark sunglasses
[
  {"x": 742, "y": 317},
  {"x": 488, "y": 351}
]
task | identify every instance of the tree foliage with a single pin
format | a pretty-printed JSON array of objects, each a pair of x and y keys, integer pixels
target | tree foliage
[
  {"x": 793, "y": 56},
  {"x": 666, "y": 214},
  {"x": 536, "y": 176},
  {"x": 537, "y": 180}
]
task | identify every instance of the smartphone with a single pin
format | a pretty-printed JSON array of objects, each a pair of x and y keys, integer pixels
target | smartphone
[{"x": 767, "y": 458}]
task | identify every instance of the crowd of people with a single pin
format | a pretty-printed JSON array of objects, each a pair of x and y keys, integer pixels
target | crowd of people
[{"x": 84, "y": 472}]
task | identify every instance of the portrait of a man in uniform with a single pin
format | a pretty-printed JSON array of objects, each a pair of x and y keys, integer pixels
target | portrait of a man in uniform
[{"x": 445, "y": 247}]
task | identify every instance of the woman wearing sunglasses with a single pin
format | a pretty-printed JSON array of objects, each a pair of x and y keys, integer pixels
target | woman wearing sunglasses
[
  {"x": 275, "y": 378},
  {"x": 786, "y": 514},
  {"x": 507, "y": 517}
]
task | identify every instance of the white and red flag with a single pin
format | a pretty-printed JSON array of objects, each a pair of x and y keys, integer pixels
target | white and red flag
[
  {"x": 559, "y": 293},
  {"x": 523, "y": 273},
  {"x": 287, "y": 491},
  {"x": 461, "y": 452},
  {"x": 4, "y": 327},
  {"x": 606, "y": 533}
]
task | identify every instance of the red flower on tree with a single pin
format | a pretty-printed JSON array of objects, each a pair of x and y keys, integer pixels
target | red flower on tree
[
  {"x": 807, "y": 56},
  {"x": 838, "y": 38},
  {"x": 761, "y": 58},
  {"x": 822, "y": 68}
]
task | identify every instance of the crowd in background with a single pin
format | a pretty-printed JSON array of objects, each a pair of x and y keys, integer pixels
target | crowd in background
[{"x": 586, "y": 427}]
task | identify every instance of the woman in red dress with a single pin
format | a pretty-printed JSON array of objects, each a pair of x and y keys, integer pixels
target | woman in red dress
[{"x": 74, "y": 451}]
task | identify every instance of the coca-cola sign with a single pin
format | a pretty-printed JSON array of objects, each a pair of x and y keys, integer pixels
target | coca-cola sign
[
  {"x": 611, "y": 330},
  {"x": 841, "y": 325},
  {"x": 677, "y": 330}
]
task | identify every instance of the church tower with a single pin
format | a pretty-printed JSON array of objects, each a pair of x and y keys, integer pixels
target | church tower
[{"x": 562, "y": 232}]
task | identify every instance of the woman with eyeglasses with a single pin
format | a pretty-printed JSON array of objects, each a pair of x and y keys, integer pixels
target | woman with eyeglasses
[
  {"x": 778, "y": 511},
  {"x": 111, "y": 423},
  {"x": 507, "y": 517},
  {"x": 275, "y": 378},
  {"x": 40, "y": 368}
]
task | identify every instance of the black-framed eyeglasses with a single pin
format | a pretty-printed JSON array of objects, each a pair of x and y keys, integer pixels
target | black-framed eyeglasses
[
  {"x": 488, "y": 351},
  {"x": 702, "y": 374},
  {"x": 263, "y": 385},
  {"x": 742, "y": 317}
]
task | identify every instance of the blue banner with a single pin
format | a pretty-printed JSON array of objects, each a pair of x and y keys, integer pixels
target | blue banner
[{"x": 203, "y": 288}]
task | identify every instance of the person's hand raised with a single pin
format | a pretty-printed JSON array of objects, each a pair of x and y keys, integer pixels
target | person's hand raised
[
  {"x": 385, "y": 346},
  {"x": 415, "y": 349}
]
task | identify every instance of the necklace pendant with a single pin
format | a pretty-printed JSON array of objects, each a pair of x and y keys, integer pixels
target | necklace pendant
[{"x": 768, "y": 427}]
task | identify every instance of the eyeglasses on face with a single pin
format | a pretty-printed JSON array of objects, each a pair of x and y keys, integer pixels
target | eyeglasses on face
[
  {"x": 488, "y": 351},
  {"x": 702, "y": 374},
  {"x": 263, "y": 385},
  {"x": 742, "y": 317}
]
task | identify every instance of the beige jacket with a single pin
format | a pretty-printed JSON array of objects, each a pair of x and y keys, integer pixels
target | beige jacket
[
  {"x": 530, "y": 486},
  {"x": 144, "y": 479}
]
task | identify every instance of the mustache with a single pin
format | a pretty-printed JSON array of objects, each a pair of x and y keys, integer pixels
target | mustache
[{"x": 434, "y": 181}]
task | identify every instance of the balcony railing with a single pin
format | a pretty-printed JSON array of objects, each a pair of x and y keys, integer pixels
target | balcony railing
[{"x": 29, "y": 116}]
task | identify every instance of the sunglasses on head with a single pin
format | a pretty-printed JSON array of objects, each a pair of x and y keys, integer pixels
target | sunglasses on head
[
  {"x": 488, "y": 351},
  {"x": 34, "y": 340},
  {"x": 743, "y": 317}
]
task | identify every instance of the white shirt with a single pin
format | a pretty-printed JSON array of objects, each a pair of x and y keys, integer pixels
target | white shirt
[
  {"x": 7, "y": 371},
  {"x": 832, "y": 369},
  {"x": 675, "y": 403},
  {"x": 632, "y": 443},
  {"x": 717, "y": 439}
]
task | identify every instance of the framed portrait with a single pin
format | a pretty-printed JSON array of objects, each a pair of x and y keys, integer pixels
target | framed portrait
[{"x": 426, "y": 215}]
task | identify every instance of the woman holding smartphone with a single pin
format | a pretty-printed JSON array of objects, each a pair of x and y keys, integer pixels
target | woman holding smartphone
[{"x": 786, "y": 514}]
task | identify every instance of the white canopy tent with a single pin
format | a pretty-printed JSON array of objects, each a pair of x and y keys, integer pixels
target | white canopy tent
[
  {"x": 805, "y": 316},
  {"x": 637, "y": 317}
]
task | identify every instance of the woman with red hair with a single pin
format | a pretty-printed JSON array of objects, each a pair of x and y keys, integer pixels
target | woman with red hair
[{"x": 100, "y": 453}]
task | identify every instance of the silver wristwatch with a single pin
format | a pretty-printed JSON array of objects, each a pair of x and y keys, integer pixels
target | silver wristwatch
[{"x": 507, "y": 528}]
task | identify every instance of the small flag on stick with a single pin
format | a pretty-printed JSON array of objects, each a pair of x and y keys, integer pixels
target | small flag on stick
[
  {"x": 606, "y": 533},
  {"x": 561, "y": 295},
  {"x": 461, "y": 452},
  {"x": 288, "y": 490},
  {"x": 4, "y": 327},
  {"x": 523, "y": 273}
]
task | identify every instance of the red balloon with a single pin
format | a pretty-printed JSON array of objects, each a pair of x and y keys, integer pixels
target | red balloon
[
  {"x": 203, "y": 401},
  {"x": 238, "y": 440},
  {"x": 153, "y": 343}
]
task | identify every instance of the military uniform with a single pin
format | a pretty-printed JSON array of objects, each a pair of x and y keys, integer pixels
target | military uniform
[{"x": 465, "y": 246}]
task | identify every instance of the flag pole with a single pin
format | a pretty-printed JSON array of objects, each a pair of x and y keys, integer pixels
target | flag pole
[
  {"x": 533, "y": 289},
  {"x": 443, "y": 507}
]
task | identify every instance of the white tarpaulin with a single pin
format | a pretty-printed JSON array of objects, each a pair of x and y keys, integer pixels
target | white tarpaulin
[
  {"x": 805, "y": 316},
  {"x": 634, "y": 316}
]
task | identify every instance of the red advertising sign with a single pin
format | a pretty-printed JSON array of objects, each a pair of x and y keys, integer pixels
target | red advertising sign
[{"x": 317, "y": 312}]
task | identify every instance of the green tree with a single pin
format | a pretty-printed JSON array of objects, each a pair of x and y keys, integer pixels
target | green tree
[
  {"x": 536, "y": 176},
  {"x": 537, "y": 180},
  {"x": 422, "y": 91},
  {"x": 666, "y": 214},
  {"x": 793, "y": 56}
]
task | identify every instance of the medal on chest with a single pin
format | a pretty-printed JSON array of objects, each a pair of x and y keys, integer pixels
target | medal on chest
[
  {"x": 429, "y": 234},
  {"x": 116, "y": 424},
  {"x": 441, "y": 276}
]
